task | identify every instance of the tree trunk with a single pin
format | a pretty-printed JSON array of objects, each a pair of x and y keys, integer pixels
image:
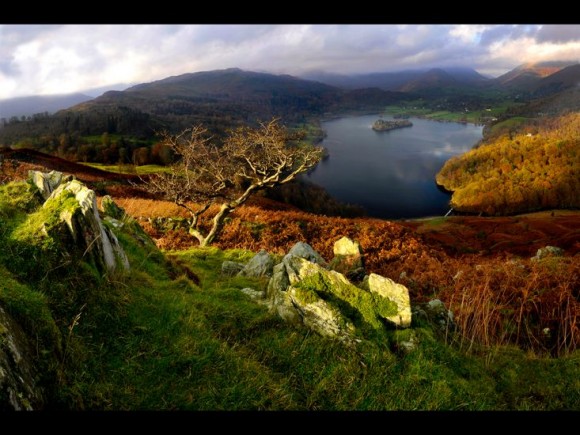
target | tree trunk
[{"x": 218, "y": 222}]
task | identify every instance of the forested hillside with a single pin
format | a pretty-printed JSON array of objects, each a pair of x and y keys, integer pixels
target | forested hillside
[
  {"x": 220, "y": 100},
  {"x": 535, "y": 168}
]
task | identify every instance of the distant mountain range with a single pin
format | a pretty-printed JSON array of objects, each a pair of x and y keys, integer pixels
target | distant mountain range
[
  {"x": 401, "y": 80},
  {"x": 530, "y": 77},
  {"x": 26, "y": 106},
  {"x": 224, "y": 99}
]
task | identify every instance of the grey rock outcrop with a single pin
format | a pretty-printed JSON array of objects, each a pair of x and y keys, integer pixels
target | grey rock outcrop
[
  {"x": 348, "y": 259},
  {"x": 304, "y": 250},
  {"x": 18, "y": 378},
  {"x": 76, "y": 206},
  {"x": 277, "y": 294},
  {"x": 231, "y": 268},
  {"x": 48, "y": 182},
  {"x": 305, "y": 292},
  {"x": 261, "y": 264},
  {"x": 548, "y": 251}
]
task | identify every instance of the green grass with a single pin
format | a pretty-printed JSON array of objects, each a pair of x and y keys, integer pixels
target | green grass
[
  {"x": 416, "y": 108},
  {"x": 153, "y": 339},
  {"x": 508, "y": 124},
  {"x": 174, "y": 345},
  {"x": 129, "y": 169}
]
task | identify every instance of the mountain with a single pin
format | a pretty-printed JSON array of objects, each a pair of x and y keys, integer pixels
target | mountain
[
  {"x": 526, "y": 76},
  {"x": 27, "y": 106},
  {"x": 466, "y": 75},
  {"x": 220, "y": 99},
  {"x": 434, "y": 78},
  {"x": 387, "y": 80},
  {"x": 563, "y": 79},
  {"x": 399, "y": 80}
]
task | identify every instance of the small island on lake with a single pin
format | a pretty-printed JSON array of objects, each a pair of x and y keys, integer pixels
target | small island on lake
[{"x": 382, "y": 125}]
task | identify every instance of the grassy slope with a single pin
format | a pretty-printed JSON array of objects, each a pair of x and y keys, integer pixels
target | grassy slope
[
  {"x": 179, "y": 346},
  {"x": 152, "y": 339}
]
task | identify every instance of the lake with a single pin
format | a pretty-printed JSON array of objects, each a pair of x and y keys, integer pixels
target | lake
[{"x": 392, "y": 173}]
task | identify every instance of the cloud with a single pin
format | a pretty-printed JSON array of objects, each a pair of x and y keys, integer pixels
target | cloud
[
  {"x": 57, "y": 59},
  {"x": 559, "y": 33}
]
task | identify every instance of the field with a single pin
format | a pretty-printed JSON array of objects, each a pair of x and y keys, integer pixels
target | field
[{"x": 417, "y": 108}]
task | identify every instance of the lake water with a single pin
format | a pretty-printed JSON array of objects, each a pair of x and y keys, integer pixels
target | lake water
[{"x": 391, "y": 174}]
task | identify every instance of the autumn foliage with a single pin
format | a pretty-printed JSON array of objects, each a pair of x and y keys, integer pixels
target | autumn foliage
[{"x": 533, "y": 170}]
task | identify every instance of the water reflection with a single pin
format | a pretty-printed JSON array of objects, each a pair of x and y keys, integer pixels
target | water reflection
[{"x": 391, "y": 174}]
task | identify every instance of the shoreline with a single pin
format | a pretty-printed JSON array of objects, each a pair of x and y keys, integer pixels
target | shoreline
[{"x": 336, "y": 117}]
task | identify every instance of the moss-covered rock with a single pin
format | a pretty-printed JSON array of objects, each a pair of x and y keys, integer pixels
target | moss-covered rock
[
  {"x": 70, "y": 217},
  {"x": 371, "y": 306},
  {"x": 320, "y": 315},
  {"x": 348, "y": 259},
  {"x": 396, "y": 293},
  {"x": 19, "y": 388},
  {"x": 110, "y": 208}
]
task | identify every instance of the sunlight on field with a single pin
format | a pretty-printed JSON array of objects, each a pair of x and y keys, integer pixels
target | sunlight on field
[{"x": 129, "y": 169}]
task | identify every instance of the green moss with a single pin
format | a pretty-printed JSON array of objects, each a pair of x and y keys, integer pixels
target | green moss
[
  {"x": 39, "y": 225},
  {"x": 31, "y": 310},
  {"x": 19, "y": 195},
  {"x": 370, "y": 306},
  {"x": 306, "y": 295}
]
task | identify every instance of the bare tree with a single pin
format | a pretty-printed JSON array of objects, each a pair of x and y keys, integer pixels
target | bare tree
[{"x": 250, "y": 159}]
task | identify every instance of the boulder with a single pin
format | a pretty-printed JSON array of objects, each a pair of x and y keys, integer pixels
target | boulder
[
  {"x": 348, "y": 259},
  {"x": 48, "y": 182},
  {"x": 254, "y": 294},
  {"x": 19, "y": 389},
  {"x": 548, "y": 251},
  {"x": 310, "y": 276},
  {"x": 261, "y": 264},
  {"x": 347, "y": 247},
  {"x": 76, "y": 206},
  {"x": 231, "y": 268},
  {"x": 304, "y": 250},
  {"x": 397, "y": 293},
  {"x": 278, "y": 297},
  {"x": 304, "y": 291},
  {"x": 321, "y": 316}
]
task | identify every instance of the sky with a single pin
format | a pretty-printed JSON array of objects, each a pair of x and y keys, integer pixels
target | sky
[{"x": 59, "y": 59}]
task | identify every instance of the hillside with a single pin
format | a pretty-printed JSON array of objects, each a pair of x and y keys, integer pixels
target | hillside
[
  {"x": 528, "y": 75},
  {"x": 534, "y": 168},
  {"x": 565, "y": 78},
  {"x": 173, "y": 332},
  {"x": 221, "y": 100},
  {"x": 401, "y": 80}
]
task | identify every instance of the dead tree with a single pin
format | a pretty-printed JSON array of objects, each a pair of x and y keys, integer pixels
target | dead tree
[{"x": 205, "y": 173}]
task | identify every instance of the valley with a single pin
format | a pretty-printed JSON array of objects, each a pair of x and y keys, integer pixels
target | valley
[{"x": 285, "y": 254}]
